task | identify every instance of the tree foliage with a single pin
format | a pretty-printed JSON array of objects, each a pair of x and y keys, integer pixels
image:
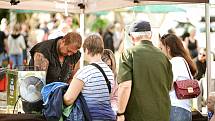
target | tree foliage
[{"x": 99, "y": 24}]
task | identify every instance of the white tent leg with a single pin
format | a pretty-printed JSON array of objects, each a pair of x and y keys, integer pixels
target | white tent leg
[
  {"x": 12, "y": 19},
  {"x": 82, "y": 32},
  {"x": 208, "y": 46}
]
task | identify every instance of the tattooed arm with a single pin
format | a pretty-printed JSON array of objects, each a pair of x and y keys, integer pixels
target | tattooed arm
[{"x": 40, "y": 62}]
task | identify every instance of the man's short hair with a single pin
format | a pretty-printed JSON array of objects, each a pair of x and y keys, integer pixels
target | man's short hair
[
  {"x": 73, "y": 38},
  {"x": 94, "y": 44}
]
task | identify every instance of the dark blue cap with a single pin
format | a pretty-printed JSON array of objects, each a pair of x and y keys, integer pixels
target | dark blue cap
[{"x": 140, "y": 26}]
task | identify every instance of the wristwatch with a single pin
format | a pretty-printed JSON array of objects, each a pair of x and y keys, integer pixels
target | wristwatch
[{"x": 120, "y": 114}]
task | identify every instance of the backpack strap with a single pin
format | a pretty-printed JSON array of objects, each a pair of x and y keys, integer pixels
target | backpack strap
[{"x": 103, "y": 73}]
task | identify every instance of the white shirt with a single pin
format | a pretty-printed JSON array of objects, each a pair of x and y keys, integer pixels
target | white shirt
[
  {"x": 180, "y": 72},
  {"x": 56, "y": 34}
]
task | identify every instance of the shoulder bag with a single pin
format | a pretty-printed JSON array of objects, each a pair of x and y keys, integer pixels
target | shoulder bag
[
  {"x": 103, "y": 73},
  {"x": 187, "y": 89}
]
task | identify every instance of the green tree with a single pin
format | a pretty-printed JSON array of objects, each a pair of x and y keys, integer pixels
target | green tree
[
  {"x": 99, "y": 24},
  {"x": 4, "y": 14}
]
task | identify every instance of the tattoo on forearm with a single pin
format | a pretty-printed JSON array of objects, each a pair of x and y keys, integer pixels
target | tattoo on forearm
[{"x": 40, "y": 61}]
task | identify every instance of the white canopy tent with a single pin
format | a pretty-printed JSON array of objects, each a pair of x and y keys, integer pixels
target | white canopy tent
[
  {"x": 89, "y": 6},
  {"x": 75, "y": 6}
]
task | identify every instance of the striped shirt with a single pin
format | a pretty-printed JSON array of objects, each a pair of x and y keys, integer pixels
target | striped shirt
[{"x": 95, "y": 90}]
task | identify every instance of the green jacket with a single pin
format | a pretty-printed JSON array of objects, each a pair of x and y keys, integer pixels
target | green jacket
[{"x": 151, "y": 75}]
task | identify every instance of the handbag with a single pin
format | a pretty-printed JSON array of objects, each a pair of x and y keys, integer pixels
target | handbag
[{"x": 187, "y": 89}]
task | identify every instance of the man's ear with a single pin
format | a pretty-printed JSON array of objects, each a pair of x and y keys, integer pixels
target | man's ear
[
  {"x": 151, "y": 35},
  {"x": 132, "y": 38},
  {"x": 63, "y": 41}
]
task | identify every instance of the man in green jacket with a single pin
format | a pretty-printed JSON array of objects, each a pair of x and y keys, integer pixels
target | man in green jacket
[{"x": 145, "y": 79}]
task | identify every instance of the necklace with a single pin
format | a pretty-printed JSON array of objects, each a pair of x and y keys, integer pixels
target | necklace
[
  {"x": 61, "y": 60},
  {"x": 61, "y": 63}
]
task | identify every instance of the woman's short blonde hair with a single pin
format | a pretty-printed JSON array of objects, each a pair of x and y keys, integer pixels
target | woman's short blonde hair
[{"x": 94, "y": 44}]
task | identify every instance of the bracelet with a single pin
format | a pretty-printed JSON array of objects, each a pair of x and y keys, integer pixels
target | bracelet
[{"x": 119, "y": 114}]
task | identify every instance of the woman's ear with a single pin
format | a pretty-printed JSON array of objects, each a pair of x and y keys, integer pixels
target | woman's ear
[
  {"x": 86, "y": 51},
  {"x": 168, "y": 51}
]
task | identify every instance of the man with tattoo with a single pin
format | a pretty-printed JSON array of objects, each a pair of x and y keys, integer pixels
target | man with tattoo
[{"x": 58, "y": 57}]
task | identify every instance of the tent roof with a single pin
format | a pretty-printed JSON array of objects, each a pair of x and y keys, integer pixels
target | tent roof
[{"x": 90, "y": 5}]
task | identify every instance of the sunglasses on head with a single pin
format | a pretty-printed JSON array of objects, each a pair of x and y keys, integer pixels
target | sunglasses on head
[
  {"x": 202, "y": 54},
  {"x": 165, "y": 36}
]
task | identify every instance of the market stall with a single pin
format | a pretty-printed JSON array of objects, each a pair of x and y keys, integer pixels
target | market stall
[{"x": 90, "y": 6}]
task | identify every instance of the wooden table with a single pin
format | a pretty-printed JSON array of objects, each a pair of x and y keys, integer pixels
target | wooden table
[{"x": 21, "y": 117}]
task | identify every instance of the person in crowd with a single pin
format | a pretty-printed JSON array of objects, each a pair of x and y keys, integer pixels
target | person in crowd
[
  {"x": 210, "y": 106},
  {"x": 182, "y": 65},
  {"x": 62, "y": 30},
  {"x": 201, "y": 63},
  {"x": 59, "y": 58},
  {"x": 108, "y": 38},
  {"x": 184, "y": 37},
  {"x": 4, "y": 26},
  {"x": 91, "y": 82},
  {"x": 192, "y": 43},
  {"x": 25, "y": 33},
  {"x": 145, "y": 79},
  {"x": 46, "y": 31},
  {"x": 171, "y": 31},
  {"x": 39, "y": 32},
  {"x": 3, "y": 44},
  {"x": 118, "y": 36},
  {"x": 109, "y": 58},
  {"x": 16, "y": 46}
]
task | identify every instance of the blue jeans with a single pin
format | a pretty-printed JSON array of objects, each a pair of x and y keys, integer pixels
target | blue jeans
[
  {"x": 17, "y": 60},
  {"x": 180, "y": 114}
]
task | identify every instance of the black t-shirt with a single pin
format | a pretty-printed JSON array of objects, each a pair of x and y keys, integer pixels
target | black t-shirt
[
  {"x": 56, "y": 71},
  {"x": 2, "y": 44},
  {"x": 108, "y": 41},
  {"x": 201, "y": 69},
  {"x": 192, "y": 45}
]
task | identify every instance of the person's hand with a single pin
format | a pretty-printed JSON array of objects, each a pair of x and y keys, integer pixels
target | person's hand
[{"x": 121, "y": 118}]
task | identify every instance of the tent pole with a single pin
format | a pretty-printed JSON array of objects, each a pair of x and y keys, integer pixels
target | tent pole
[
  {"x": 82, "y": 32},
  {"x": 13, "y": 19},
  {"x": 208, "y": 47}
]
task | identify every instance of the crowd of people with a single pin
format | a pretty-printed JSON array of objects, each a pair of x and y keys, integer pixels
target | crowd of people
[
  {"x": 27, "y": 35},
  {"x": 140, "y": 89}
]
